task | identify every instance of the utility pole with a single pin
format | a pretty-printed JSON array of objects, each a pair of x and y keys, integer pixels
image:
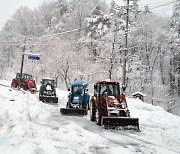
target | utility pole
[
  {"x": 22, "y": 62},
  {"x": 126, "y": 45}
]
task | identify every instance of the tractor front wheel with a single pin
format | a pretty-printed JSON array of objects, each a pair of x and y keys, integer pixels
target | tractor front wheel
[
  {"x": 98, "y": 116},
  {"x": 24, "y": 87}
]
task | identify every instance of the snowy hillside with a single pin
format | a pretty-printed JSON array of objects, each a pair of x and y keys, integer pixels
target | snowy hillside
[{"x": 28, "y": 126}]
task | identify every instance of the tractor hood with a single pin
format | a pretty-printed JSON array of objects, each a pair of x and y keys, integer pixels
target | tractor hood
[
  {"x": 31, "y": 83},
  {"x": 112, "y": 101},
  {"x": 48, "y": 87},
  {"x": 76, "y": 99}
]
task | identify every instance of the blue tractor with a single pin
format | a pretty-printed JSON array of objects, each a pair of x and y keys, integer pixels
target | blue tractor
[{"x": 78, "y": 100}]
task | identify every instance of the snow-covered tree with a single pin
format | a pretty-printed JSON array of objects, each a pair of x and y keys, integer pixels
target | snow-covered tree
[
  {"x": 174, "y": 42},
  {"x": 176, "y": 17},
  {"x": 98, "y": 23}
]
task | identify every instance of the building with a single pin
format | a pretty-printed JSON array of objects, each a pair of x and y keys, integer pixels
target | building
[{"x": 139, "y": 95}]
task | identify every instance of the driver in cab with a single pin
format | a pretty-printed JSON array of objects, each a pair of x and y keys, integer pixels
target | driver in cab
[{"x": 107, "y": 91}]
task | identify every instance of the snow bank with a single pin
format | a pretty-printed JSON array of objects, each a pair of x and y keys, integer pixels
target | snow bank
[
  {"x": 159, "y": 126},
  {"x": 27, "y": 126}
]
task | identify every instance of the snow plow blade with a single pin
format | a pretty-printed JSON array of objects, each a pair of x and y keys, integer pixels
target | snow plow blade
[
  {"x": 120, "y": 121},
  {"x": 71, "y": 111},
  {"x": 48, "y": 99}
]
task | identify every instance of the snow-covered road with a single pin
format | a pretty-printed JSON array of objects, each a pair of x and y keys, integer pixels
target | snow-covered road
[{"x": 28, "y": 126}]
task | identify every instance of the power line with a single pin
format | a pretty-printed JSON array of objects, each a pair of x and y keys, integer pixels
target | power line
[
  {"x": 20, "y": 40},
  {"x": 44, "y": 36},
  {"x": 156, "y": 18},
  {"x": 172, "y": 2},
  {"x": 157, "y": 6},
  {"x": 165, "y": 10},
  {"x": 158, "y": 3}
]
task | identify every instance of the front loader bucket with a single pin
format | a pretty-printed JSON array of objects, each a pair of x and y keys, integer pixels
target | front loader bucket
[
  {"x": 48, "y": 99},
  {"x": 72, "y": 111},
  {"x": 120, "y": 121}
]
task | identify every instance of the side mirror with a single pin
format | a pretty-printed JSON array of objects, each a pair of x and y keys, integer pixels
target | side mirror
[
  {"x": 123, "y": 88},
  {"x": 68, "y": 89}
]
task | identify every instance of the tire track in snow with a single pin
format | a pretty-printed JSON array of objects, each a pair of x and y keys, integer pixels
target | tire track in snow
[{"x": 131, "y": 138}]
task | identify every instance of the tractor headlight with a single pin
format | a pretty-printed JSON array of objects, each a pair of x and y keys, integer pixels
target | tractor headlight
[
  {"x": 76, "y": 101},
  {"x": 123, "y": 105}
]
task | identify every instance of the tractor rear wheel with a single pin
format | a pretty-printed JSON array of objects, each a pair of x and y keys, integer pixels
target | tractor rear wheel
[
  {"x": 14, "y": 84},
  {"x": 98, "y": 116}
]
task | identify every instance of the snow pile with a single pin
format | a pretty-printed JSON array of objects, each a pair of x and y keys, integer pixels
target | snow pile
[
  {"x": 160, "y": 127},
  {"x": 26, "y": 127}
]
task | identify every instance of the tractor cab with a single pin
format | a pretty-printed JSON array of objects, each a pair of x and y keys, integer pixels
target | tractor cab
[
  {"x": 78, "y": 90},
  {"x": 24, "y": 76},
  {"x": 47, "y": 92},
  {"x": 78, "y": 100},
  {"x": 78, "y": 96},
  {"x": 48, "y": 87},
  {"x": 49, "y": 83},
  {"x": 107, "y": 88},
  {"x": 109, "y": 95}
]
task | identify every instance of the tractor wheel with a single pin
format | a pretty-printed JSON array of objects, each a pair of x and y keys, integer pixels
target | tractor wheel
[
  {"x": 68, "y": 105},
  {"x": 92, "y": 111},
  {"x": 14, "y": 84},
  {"x": 86, "y": 109},
  {"x": 24, "y": 87},
  {"x": 98, "y": 116}
]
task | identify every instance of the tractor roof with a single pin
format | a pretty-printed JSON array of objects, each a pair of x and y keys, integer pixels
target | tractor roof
[
  {"x": 79, "y": 84},
  {"x": 47, "y": 79},
  {"x": 107, "y": 81},
  {"x": 138, "y": 93},
  {"x": 25, "y": 73}
]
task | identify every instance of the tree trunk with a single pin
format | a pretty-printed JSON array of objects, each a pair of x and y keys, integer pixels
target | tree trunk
[{"x": 152, "y": 83}]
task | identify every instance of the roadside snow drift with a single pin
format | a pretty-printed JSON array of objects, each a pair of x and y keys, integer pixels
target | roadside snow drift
[{"x": 28, "y": 126}]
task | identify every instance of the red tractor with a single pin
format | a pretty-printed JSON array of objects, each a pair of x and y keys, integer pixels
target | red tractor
[
  {"x": 27, "y": 82},
  {"x": 108, "y": 106}
]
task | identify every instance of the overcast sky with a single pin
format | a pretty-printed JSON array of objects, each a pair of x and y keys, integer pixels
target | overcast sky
[{"x": 8, "y": 7}]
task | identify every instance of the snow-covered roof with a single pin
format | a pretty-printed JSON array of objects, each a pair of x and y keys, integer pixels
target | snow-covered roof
[
  {"x": 48, "y": 79},
  {"x": 107, "y": 81},
  {"x": 140, "y": 93},
  {"x": 79, "y": 84}
]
